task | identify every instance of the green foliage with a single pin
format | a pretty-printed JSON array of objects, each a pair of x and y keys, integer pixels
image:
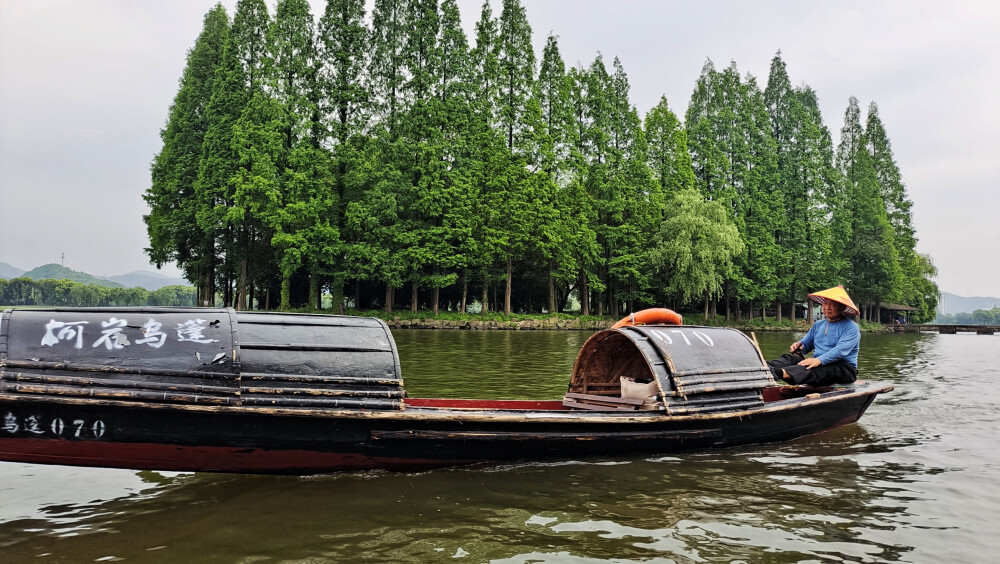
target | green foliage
[
  {"x": 976, "y": 317},
  {"x": 695, "y": 246},
  {"x": 361, "y": 155},
  {"x": 874, "y": 260},
  {"x": 386, "y": 72},
  {"x": 804, "y": 163},
  {"x": 63, "y": 292},
  {"x": 891, "y": 188},
  {"x": 919, "y": 290},
  {"x": 669, "y": 158},
  {"x": 872, "y": 226},
  {"x": 176, "y": 201},
  {"x": 734, "y": 155}
]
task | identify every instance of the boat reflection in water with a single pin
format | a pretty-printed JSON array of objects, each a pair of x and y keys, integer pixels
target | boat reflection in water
[{"x": 225, "y": 391}]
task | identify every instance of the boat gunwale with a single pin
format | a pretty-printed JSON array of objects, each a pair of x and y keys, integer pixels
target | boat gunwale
[{"x": 474, "y": 414}]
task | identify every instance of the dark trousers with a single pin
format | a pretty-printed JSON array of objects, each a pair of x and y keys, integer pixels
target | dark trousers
[{"x": 840, "y": 372}]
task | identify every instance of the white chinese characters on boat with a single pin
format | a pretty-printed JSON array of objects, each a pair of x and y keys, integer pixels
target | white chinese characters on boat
[
  {"x": 114, "y": 333},
  {"x": 153, "y": 336},
  {"x": 56, "y": 427},
  {"x": 191, "y": 330},
  {"x": 112, "y": 337},
  {"x": 67, "y": 331}
]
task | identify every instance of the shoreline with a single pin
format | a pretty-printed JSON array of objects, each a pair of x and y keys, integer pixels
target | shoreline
[{"x": 556, "y": 323}]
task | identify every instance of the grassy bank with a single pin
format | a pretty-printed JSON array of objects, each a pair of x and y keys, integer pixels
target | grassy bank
[{"x": 423, "y": 319}]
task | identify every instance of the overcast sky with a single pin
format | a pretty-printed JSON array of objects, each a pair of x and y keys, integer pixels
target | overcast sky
[{"x": 85, "y": 87}]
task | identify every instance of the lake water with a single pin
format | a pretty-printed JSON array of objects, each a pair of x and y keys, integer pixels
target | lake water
[{"x": 916, "y": 480}]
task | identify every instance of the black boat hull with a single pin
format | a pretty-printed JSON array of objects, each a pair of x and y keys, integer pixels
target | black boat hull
[{"x": 289, "y": 441}]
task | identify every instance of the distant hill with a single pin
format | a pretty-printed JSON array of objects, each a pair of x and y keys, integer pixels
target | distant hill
[
  {"x": 148, "y": 280},
  {"x": 56, "y": 272},
  {"x": 7, "y": 271},
  {"x": 952, "y": 304}
]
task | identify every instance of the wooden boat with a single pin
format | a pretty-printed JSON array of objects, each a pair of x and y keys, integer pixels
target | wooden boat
[{"x": 219, "y": 390}]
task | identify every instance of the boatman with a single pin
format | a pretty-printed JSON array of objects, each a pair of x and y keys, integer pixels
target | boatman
[{"x": 834, "y": 340}]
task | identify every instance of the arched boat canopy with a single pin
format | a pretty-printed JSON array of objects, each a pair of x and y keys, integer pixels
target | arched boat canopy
[
  {"x": 209, "y": 356},
  {"x": 696, "y": 369}
]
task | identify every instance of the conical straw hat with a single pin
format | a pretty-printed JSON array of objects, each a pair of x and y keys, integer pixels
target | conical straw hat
[{"x": 837, "y": 294}]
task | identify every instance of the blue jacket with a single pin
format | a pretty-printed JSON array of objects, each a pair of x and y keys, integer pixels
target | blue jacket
[{"x": 835, "y": 341}]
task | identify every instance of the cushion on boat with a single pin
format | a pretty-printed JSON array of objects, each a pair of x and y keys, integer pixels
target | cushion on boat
[{"x": 631, "y": 389}]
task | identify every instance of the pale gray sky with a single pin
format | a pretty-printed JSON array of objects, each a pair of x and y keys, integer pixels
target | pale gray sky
[{"x": 85, "y": 87}]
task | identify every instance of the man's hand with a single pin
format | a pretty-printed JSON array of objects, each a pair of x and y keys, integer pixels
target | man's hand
[
  {"x": 810, "y": 363},
  {"x": 796, "y": 346}
]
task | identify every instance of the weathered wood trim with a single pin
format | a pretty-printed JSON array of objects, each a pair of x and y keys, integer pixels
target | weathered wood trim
[
  {"x": 367, "y": 392},
  {"x": 118, "y": 394},
  {"x": 83, "y": 382},
  {"x": 514, "y": 435},
  {"x": 307, "y": 402},
  {"x": 604, "y": 399},
  {"x": 436, "y": 414},
  {"x": 319, "y": 379},
  {"x": 309, "y": 347},
  {"x": 751, "y": 369},
  {"x": 104, "y": 368}
]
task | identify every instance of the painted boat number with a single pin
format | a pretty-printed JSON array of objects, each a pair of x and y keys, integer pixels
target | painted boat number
[
  {"x": 57, "y": 427},
  {"x": 665, "y": 337}
]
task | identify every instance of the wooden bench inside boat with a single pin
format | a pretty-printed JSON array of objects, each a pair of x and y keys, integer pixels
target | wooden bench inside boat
[{"x": 601, "y": 403}]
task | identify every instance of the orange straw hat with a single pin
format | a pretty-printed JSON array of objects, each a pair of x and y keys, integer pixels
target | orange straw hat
[{"x": 837, "y": 294}]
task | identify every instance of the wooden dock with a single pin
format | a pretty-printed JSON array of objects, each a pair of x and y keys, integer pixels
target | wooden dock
[{"x": 947, "y": 329}]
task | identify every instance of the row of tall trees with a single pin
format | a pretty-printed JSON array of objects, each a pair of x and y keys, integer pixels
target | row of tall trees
[
  {"x": 24, "y": 291},
  {"x": 367, "y": 155},
  {"x": 811, "y": 215}
]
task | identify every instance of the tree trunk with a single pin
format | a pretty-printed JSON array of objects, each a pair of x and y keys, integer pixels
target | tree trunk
[
  {"x": 486, "y": 295},
  {"x": 286, "y": 293},
  {"x": 584, "y": 295},
  {"x": 208, "y": 299},
  {"x": 506, "y": 294},
  {"x": 778, "y": 310},
  {"x": 413, "y": 297},
  {"x": 315, "y": 300},
  {"x": 241, "y": 301},
  {"x": 388, "y": 297},
  {"x": 435, "y": 296},
  {"x": 212, "y": 289},
  {"x": 199, "y": 288},
  {"x": 337, "y": 294},
  {"x": 210, "y": 276},
  {"x": 465, "y": 295},
  {"x": 704, "y": 317},
  {"x": 792, "y": 314},
  {"x": 552, "y": 291}
]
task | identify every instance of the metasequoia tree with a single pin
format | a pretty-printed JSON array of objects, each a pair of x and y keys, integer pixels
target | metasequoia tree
[
  {"x": 301, "y": 155},
  {"x": 173, "y": 197}
]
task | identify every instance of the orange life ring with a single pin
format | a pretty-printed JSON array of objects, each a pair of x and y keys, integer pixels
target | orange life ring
[{"x": 651, "y": 316}]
